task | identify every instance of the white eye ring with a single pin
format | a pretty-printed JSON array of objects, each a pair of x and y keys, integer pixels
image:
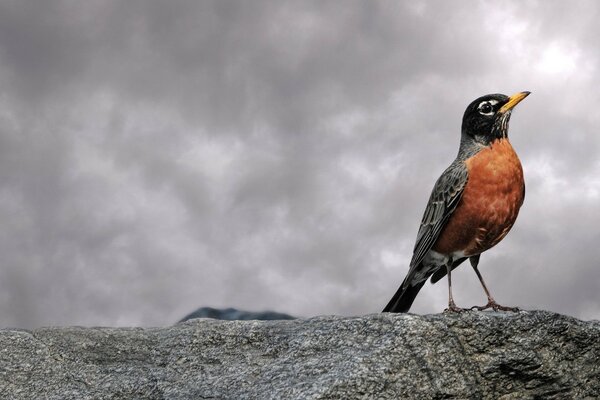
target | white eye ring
[{"x": 486, "y": 107}]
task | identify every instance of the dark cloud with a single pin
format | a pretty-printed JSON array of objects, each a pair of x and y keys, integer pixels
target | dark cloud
[{"x": 156, "y": 157}]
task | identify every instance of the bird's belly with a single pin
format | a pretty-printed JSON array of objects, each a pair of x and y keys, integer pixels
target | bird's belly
[{"x": 489, "y": 205}]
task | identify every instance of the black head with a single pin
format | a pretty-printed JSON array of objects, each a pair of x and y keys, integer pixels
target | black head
[{"x": 486, "y": 118}]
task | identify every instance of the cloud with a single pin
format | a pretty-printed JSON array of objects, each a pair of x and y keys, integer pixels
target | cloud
[{"x": 159, "y": 157}]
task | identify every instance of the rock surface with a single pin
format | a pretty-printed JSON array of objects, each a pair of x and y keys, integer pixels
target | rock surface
[
  {"x": 470, "y": 355},
  {"x": 233, "y": 314}
]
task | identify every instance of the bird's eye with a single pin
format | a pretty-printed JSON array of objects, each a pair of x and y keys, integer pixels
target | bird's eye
[{"x": 485, "y": 108}]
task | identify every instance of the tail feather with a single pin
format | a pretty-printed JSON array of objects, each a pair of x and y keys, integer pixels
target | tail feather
[
  {"x": 404, "y": 297},
  {"x": 442, "y": 272},
  {"x": 407, "y": 292}
]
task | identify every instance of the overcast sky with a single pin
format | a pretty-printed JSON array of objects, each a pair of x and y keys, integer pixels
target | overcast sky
[{"x": 156, "y": 157}]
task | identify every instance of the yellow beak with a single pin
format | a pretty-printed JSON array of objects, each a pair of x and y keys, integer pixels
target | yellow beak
[{"x": 513, "y": 101}]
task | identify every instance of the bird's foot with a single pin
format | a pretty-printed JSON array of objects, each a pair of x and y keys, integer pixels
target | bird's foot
[
  {"x": 453, "y": 308},
  {"x": 495, "y": 306}
]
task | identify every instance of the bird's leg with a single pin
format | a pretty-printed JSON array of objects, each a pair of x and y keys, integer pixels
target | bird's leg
[
  {"x": 491, "y": 302},
  {"x": 451, "y": 304}
]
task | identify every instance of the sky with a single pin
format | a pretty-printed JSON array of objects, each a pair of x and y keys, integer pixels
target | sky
[{"x": 156, "y": 157}]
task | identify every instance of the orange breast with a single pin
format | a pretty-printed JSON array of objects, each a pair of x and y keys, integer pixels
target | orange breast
[{"x": 490, "y": 202}]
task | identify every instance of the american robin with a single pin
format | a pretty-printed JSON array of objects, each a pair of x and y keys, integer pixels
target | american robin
[{"x": 473, "y": 204}]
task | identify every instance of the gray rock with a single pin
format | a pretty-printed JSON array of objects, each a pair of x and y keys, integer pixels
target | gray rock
[
  {"x": 233, "y": 314},
  {"x": 522, "y": 355}
]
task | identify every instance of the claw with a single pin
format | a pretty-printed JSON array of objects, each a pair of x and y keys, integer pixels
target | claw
[
  {"x": 455, "y": 309},
  {"x": 452, "y": 307},
  {"x": 495, "y": 306}
]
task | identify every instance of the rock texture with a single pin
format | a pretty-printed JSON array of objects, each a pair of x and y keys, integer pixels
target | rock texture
[
  {"x": 233, "y": 314},
  {"x": 477, "y": 355}
]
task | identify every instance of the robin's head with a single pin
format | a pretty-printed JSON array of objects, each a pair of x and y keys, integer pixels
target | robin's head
[{"x": 486, "y": 118}]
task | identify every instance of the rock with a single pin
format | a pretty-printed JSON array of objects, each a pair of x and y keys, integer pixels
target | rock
[
  {"x": 470, "y": 355},
  {"x": 232, "y": 314}
]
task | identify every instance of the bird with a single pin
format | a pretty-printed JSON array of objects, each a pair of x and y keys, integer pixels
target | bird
[{"x": 472, "y": 206}]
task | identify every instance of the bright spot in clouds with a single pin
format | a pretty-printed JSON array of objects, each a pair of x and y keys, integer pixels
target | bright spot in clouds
[{"x": 558, "y": 58}]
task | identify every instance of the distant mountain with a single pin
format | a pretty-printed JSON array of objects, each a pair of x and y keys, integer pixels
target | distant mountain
[{"x": 233, "y": 314}]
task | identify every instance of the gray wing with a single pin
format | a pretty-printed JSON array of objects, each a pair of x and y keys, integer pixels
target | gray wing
[{"x": 444, "y": 198}]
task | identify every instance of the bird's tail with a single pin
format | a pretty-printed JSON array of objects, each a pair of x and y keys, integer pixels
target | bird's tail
[
  {"x": 442, "y": 272},
  {"x": 404, "y": 297}
]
